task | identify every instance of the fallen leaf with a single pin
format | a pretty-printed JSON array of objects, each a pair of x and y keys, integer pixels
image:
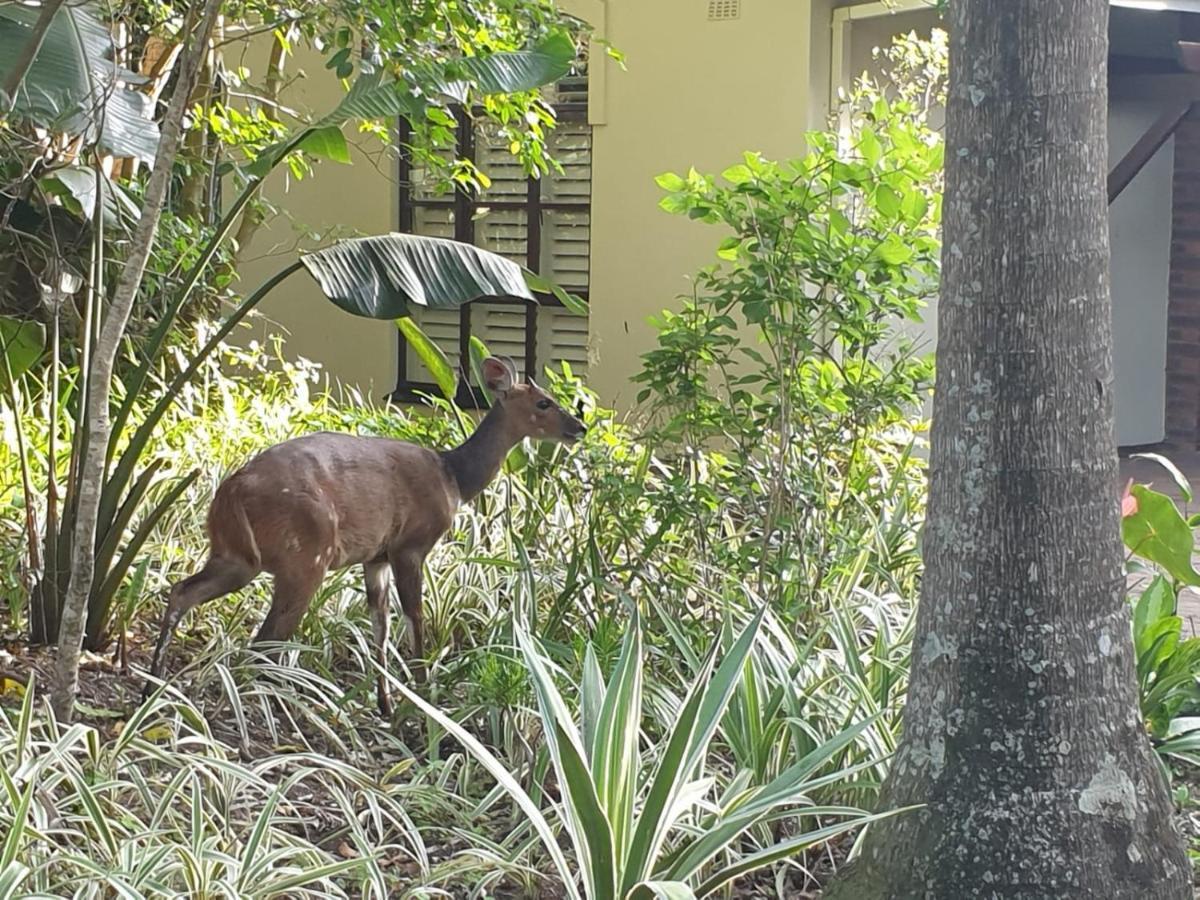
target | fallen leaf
[
  {"x": 157, "y": 733},
  {"x": 346, "y": 851}
]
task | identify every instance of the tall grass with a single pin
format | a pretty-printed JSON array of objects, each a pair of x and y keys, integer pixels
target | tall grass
[
  {"x": 532, "y": 592},
  {"x": 159, "y": 806}
]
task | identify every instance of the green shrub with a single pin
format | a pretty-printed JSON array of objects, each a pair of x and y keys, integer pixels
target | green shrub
[
  {"x": 1161, "y": 540},
  {"x": 784, "y": 384},
  {"x": 626, "y": 813}
]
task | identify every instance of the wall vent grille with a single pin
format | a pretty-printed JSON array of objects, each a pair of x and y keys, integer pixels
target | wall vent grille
[{"x": 724, "y": 10}]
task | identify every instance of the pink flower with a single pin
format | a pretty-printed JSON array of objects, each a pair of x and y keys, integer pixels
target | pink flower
[{"x": 1129, "y": 504}]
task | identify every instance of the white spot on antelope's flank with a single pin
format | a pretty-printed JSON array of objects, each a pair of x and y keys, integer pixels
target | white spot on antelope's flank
[
  {"x": 1105, "y": 644},
  {"x": 1110, "y": 791},
  {"x": 286, "y": 491}
]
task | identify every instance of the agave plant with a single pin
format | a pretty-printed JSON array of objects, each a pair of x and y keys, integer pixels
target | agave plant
[{"x": 643, "y": 821}]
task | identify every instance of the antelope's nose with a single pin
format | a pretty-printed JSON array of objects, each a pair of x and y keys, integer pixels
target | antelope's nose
[{"x": 577, "y": 430}]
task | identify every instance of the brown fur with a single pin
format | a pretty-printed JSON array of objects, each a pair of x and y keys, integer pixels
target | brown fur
[{"x": 326, "y": 501}]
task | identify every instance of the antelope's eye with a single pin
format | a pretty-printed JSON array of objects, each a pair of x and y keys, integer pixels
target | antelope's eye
[{"x": 544, "y": 404}]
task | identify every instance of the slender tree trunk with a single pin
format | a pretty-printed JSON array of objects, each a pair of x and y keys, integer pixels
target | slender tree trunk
[
  {"x": 1022, "y": 737},
  {"x": 253, "y": 217},
  {"x": 83, "y": 562},
  {"x": 191, "y": 197}
]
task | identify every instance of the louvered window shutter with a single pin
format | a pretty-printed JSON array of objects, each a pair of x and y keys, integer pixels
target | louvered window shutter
[{"x": 556, "y": 243}]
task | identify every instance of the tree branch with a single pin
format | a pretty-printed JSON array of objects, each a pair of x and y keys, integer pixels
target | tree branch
[{"x": 253, "y": 217}]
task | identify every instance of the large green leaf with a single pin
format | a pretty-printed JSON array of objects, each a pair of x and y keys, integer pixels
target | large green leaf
[
  {"x": 512, "y": 71},
  {"x": 73, "y": 85},
  {"x": 661, "y": 807},
  {"x": 1155, "y": 602},
  {"x": 327, "y": 143},
  {"x": 77, "y": 187},
  {"x": 505, "y": 72},
  {"x": 383, "y": 277},
  {"x": 590, "y": 828},
  {"x": 1157, "y": 531},
  {"x": 614, "y": 758},
  {"x": 591, "y": 700},
  {"x": 21, "y": 345},
  {"x": 376, "y": 96},
  {"x": 432, "y": 356}
]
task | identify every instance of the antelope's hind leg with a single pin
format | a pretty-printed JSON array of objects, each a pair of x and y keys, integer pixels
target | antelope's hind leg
[
  {"x": 376, "y": 576},
  {"x": 406, "y": 568},
  {"x": 220, "y": 576}
]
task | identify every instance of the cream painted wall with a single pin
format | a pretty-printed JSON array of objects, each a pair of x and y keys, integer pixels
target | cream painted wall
[
  {"x": 1139, "y": 228},
  {"x": 696, "y": 93},
  {"x": 338, "y": 201}
]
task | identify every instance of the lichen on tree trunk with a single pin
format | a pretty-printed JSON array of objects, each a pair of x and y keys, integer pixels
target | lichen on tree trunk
[{"x": 1023, "y": 739}]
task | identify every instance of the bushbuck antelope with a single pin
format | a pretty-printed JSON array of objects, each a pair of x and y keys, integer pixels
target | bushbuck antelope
[{"x": 326, "y": 501}]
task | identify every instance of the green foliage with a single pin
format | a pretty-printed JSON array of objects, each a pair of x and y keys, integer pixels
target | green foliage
[
  {"x": 1158, "y": 533},
  {"x": 1168, "y": 664},
  {"x": 411, "y": 95},
  {"x": 555, "y": 539},
  {"x": 156, "y": 807},
  {"x": 625, "y": 816},
  {"x": 789, "y": 364},
  {"x": 130, "y": 480},
  {"x": 739, "y": 712},
  {"x": 74, "y": 84},
  {"x": 21, "y": 346},
  {"x": 427, "y": 268}
]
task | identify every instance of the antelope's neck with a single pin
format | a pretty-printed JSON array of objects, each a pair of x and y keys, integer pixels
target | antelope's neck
[{"x": 476, "y": 461}]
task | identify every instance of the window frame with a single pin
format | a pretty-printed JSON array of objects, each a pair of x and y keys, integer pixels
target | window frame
[{"x": 464, "y": 203}]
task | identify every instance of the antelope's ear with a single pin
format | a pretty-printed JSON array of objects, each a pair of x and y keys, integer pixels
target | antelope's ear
[
  {"x": 512, "y": 368},
  {"x": 498, "y": 376}
]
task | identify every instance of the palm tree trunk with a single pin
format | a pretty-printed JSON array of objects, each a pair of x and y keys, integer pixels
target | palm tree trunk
[
  {"x": 74, "y": 608},
  {"x": 1023, "y": 740}
]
